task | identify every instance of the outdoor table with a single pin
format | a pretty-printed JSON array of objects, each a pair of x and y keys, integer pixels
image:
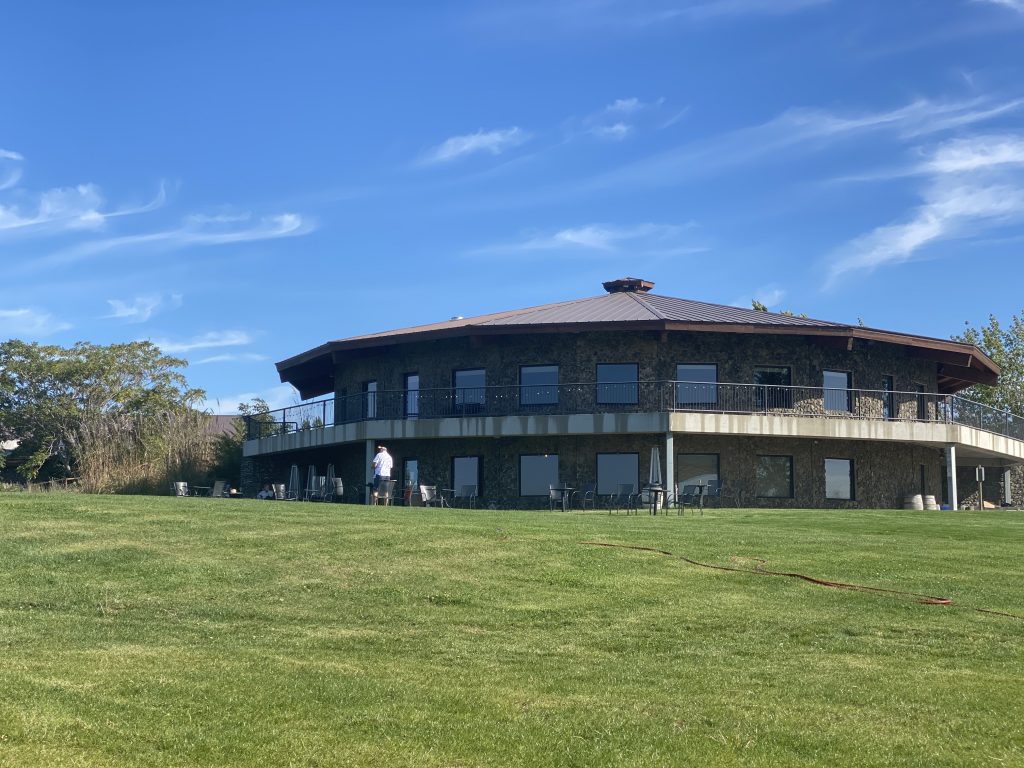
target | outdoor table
[
  {"x": 657, "y": 496},
  {"x": 566, "y": 492},
  {"x": 204, "y": 488}
]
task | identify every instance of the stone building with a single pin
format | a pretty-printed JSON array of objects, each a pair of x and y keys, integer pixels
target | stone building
[{"x": 760, "y": 409}]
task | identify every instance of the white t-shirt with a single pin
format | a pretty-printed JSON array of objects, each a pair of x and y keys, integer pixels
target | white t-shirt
[{"x": 382, "y": 464}]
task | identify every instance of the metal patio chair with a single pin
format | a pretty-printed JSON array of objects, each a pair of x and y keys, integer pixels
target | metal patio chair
[{"x": 624, "y": 498}]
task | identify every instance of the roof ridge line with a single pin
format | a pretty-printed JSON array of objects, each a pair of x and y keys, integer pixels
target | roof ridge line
[{"x": 639, "y": 299}]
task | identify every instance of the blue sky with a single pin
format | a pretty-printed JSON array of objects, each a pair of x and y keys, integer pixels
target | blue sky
[{"x": 240, "y": 182}]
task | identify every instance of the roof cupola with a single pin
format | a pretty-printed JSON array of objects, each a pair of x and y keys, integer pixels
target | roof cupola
[{"x": 628, "y": 285}]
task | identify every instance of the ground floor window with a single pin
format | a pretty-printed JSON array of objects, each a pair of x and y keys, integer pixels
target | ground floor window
[
  {"x": 697, "y": 469},
  {"x": 775, "y": 477},
  {"x": 614, "y": 469},
  {"x": 465, "y": 471},
  {"x": 839, "y": 479},
  {"x": 537, "y": 473}
]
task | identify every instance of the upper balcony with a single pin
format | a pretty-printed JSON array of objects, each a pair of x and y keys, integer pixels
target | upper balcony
[{"x": 642, "y": 407}]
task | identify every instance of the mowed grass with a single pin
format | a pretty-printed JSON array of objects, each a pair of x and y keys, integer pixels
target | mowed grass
[{"x": 141, "y": 631}]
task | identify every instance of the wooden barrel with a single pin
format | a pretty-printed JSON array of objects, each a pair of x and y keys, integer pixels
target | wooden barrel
[
  {"x": 930, "y": 502},
  {"x": 913, "y": 501}
]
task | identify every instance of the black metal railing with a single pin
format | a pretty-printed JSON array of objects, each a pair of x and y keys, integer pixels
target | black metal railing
[{"x": 636, "y": 397}]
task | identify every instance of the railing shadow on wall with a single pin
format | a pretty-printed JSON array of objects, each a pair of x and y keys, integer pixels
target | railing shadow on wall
[{"x": 635, "y": 397}]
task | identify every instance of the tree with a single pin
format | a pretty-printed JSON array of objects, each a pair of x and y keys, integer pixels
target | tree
[
  {"x": 228, "y": 448},
  {"x": 59, "y": 402},
  {"x": 1006, "y": 347}
]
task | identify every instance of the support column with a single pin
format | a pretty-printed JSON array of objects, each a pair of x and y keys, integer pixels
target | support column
[
  {"x": 370, "y": 452},
  {"x": 1007, "y": 486},
  {"x": 951, "y": 477},
  {"x": 670, "y": 466}
]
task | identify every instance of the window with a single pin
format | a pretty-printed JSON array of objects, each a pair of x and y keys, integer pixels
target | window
[
  {"x": 616, "y": 468},
  {"x": 698, "y": 385},
  {"x": 775, "y": 477},
  {"x": 411, "y": 473},
  {"x": 536, "y": 473},
  {"x": 538, "y": 385},
  {"x": 617, "y": 383},
  {"x": 466, "y": 471},
  {"x": 697, "y": 469},
  {"x": 470, "y": 394},
  {"x": 837, "y": 390},
  {"x": 839, "y": 479},
  {"x": 773, "y": 387},
  {"x": 922, "y": 403},
  {"x": 888, "y": 402},
  {"x": 412, "y": 395},
  {"x": 370, "y": 399}
]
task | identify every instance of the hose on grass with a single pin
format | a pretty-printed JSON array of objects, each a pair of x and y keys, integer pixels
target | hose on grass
[{"x": 759, "y": 571}]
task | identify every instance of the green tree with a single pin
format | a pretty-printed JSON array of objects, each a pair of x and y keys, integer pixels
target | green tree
[
  {"x": 1005, "y": 345},
  {"x": 228, "y": 448},
  {"x": 53, "y": 400}
]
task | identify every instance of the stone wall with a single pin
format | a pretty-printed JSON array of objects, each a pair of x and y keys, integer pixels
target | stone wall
[
  {"x": 992, "y": 488},
  {"x": 884, "y": 472}
]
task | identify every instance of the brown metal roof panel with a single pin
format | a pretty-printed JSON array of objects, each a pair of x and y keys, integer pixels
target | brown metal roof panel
[
  {"x": 610, "y": 308},
  {"x": 688, "y": 311}
]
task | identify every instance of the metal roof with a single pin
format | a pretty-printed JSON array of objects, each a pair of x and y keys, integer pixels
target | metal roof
[{"x": 628, "y": 306}]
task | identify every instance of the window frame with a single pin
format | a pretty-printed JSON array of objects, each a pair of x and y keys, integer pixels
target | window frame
[
  {"x": 406, "y": 410},
  {"x": 769, "y": 396},
  {"x": 456, "y": 487},
  {"x": 597, "y": 470},
  {"x": 557, "y": 481},
  {"x": 598, "y": 384},
  {"x": 851, "y": 478},
  {"x": 555, "y": 386},
  {"x": 846, "y": 392},
  {"x": 370, "y": 391},
  {"x": 712, "y": 385},
  {"x": 679, "y": 463},
  {"x": 459, "y": 402},
  {"x": 792, "y": 473}
]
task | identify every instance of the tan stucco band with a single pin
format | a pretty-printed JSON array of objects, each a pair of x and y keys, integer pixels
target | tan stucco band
[{"x": 970, "y": 442}]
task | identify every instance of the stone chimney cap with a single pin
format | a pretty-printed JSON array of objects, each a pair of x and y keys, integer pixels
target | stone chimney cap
[{"x": 628, "y": 285}]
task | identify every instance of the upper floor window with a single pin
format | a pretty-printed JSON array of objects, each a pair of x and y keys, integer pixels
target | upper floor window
[
  {"x": 470, "y": 394},
  {"x": 538, "y": 385},
  {"x": 837, "y": 390},
  {"x": 697, "y": 385},
  {"x": 888, "y": 401},
  {"x": 370, "y": 399},
  {"x": 773, "y": 387},
  {"x": 412, "y": 395},
  {"x": 617, "y": 383}
]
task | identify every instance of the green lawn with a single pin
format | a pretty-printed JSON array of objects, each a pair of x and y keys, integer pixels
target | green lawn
[{"x": 141, "y": 631}]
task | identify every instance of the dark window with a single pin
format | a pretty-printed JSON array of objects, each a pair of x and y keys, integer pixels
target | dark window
[
  {"x": 617, "y": 383},
  {"x": 924, "y": 484},
  {"x": 773, "y": 384},
  {"x": 922, "y": 403},
  {"x": 410, "y": 478},
  {"x": 466, "y": 471},
  {"x": 470, "y": 394},
  {"x": 537, "y": 473},
  {"x": 888, "y": 400},
  {"x": 697, "y": 469},
  {"x": 538, "y": 385},
  {"x": 370, "y": 400},
  {"x": 837, "y": 390},
  {"x": 614, "y": 469},
  {"x": 412, "y": 395},
  {"x": 775, "y": 477},
  {"x": 697, "y": 385},
  {"x": 839, "y": 479}
]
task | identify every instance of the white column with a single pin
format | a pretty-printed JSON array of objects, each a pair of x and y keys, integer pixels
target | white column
[
  {"x": 670, "y": 465},
  {"x": 370, "y": 445},
  {"x": 1007, "y": 486},
  {"x": 951, "y": 476}
]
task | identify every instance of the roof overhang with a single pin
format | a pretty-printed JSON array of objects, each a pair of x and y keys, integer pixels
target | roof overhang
[{"x": 959, "y": 365}]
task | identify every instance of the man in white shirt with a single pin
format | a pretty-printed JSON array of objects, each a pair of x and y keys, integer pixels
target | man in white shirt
[{"x": 382, "y": 464}]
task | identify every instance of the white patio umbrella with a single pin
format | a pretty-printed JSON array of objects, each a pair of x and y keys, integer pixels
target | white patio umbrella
[
  {"x": 654, "y": 478},
  {"x": 293, "y": 483}
]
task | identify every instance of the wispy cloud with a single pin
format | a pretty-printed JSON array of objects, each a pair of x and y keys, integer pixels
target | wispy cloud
[
  {"x": 193, "y": 232},
  {"x": 643, "y": 239},
  {"x": 10, "y": 168},
  {"x": 973, "y": 185},
  {"x": 489, "y": 142},
  {"x": 69, "y": 208},
  {"x": 618, "y": 120},
  {"x": 280, "y": 396},
  {"x": 29, "y": 323},
  {"x": 1015, "y": 5},
  {"x": 209, "y": 340},
  {"x": 241, "y": 357},
  {"x": 141, "y": 308}
]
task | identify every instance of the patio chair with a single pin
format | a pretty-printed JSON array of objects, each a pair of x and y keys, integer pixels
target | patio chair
[
  {"x": 219, "y": 490},
  {"x": 179, "y": 488},
  {"x": 557, "y": 496},
  {"x": 588, "y": 493},
  {"x": 280, "y": 492},
  {"x": 429, "y": 496},
  {"x": 625, "y": 498},
  {"x": 467, "y": 493},
  {"x": 335, "y": 489},
  {"x": 385, "y": 493},
  {"x": 691, "y": 496}
]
